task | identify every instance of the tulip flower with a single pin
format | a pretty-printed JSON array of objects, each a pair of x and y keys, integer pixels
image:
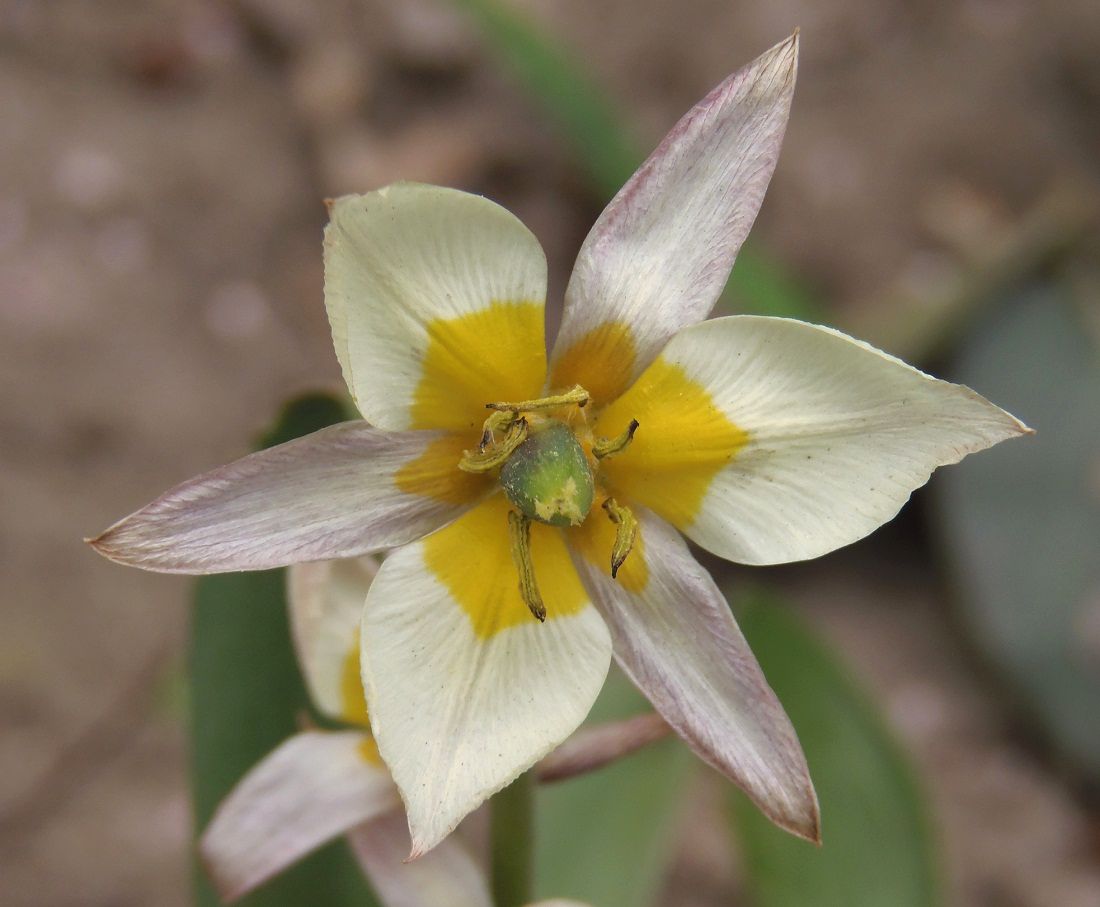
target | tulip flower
[{"x": 538, "y": 504}]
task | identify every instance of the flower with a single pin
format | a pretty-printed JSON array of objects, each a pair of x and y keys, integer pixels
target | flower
[
  {"x": 323, "y": 783},
  {"x": 533, "y": 545}
]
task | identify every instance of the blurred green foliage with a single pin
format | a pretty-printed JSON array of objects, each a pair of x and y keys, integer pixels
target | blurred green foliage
[
  {"x": 246, "y": 695},
  {"x": 876, "y": 844},
  {"x": 606, "y": 838},
  {"x": 1021, "y": 526}
]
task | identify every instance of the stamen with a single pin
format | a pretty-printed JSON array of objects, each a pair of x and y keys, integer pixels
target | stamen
[
  {"x": 519, "y": 532},
  {"x": 496, "y": 422},
  {"x": 490, "y": 455},
  {"x": 608, "y": 447},
  {"x": 577, "y": 396},
  {"x": 626, "y": 532}
]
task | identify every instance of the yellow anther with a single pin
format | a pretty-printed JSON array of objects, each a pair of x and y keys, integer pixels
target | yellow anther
[
  {"x": 519, "y": 532},
  {"x": 490, "y": 454},
  {"x": 576, "y": 396},
  {"x": 496, "y": 422},
  {"x": 608, "y": 447},
  {"x": 626, "y": 532}
]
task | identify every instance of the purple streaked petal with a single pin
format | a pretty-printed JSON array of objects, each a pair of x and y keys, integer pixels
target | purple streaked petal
[{"x": 334, "y": 493}]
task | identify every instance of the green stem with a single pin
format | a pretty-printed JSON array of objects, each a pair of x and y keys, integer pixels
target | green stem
[{"x": 512, "y": 839}]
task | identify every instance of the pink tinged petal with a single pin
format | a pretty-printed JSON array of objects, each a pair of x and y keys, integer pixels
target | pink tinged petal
[
  {"x": 837, "y": 435},
  {"x": 325, "y": 602},
  {"x": 449, "y": 876},
  {"x": 332, "y": 494},
  {"x": 675, "y": 637},
  {"x": 599, "y": 745},
  {"x": 659, "y": 255},
  {"x": 312, "y": 788}
]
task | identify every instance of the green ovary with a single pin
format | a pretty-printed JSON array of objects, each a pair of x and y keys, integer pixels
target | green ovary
[{"x": 548, "y": 478}]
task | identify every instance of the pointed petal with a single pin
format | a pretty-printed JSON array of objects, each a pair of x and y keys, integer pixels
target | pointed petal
[
  {"x": 676, "y": 639},
  {"x": 767, "y": 440},
  {"x": 449, "y": 876},
  {"x": 436, "y": 299},
  {"x": 465, "y": 688},
  {"x": 312, "y": 788},
  {"x": 343, "y": 491},
  {"x": 595, "y": 746},
  {"x": 325, "y": 601},
  {"x": 659, "y": 255}
]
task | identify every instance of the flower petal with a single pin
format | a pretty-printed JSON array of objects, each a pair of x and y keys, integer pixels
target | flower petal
[
  {"x": 436, "y": 300},
  {"x": 449, "y": 876},
  {"x": 313, "y": 787},
  {"x": 465, "y": 688},
  {"x": 326, "y": 608},
  {"x": 768, "y": 440},
  {"x": 343, "y": 491},
  {"x": 659, "y": 255},
  {"x": 676, "y": 639}
]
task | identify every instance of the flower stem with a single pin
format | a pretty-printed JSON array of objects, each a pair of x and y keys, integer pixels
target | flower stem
[{"x": 512, "y": 838}]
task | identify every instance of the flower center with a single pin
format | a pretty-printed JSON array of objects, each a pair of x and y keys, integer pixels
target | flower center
[
  {"x": 547, "y": 478},
  {"x": 549, "y": 461}
]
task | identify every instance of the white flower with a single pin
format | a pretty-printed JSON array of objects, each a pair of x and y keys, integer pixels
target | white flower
[{"x": 763, "y": 440}]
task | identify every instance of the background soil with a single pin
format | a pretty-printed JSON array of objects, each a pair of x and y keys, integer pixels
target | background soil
[{"x": 161, "y": 171}]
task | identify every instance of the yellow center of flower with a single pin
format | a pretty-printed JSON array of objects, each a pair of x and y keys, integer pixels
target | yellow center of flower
[{"x": 548, "y": 462}]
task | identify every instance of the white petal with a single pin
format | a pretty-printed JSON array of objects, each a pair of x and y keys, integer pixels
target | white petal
[
  {"x": 436, "y": 299},
  {"x": 449, "y": 876},
  {"x": 465, "y": 689},
  {"x": 659, "y": 255},
  {"x": 312, "y": 788},
  {"x": 325, "y": 602},
  {"x": 676, "y": 639},
  {"x": 339, "y": 492},
  {"x": 839, "y": 435}
]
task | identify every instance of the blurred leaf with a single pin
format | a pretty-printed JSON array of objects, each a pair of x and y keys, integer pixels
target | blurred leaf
[
  {"x": 246, "y": 694},
  {"x": 606, "y": 148},
  {"x": 1021, "y": 523},
  {"x": 607, "y": 838},
  {"x": 877, "y": 848},
  {"x": 558, "y": 82}
]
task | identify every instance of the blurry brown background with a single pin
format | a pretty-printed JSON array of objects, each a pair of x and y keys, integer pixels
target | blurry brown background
[{"x": 161, "y": 171}]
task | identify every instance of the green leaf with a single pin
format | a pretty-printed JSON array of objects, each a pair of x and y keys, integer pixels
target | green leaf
[
  {"x": 1021, "y": 523},
  {"x": 606, "y": 148},
  {"x": 876, "y": 848},
  {"x": 606, "y": 838},
  {"x": 246, "y": 695}
]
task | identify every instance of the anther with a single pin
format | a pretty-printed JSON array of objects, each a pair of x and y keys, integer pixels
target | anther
[
  {"x": 608, "y": 447},
  {"x": 626, "y": 532},
  {"x": 519, "y": 533},
  {"x": 489, "y": 454},
  {"x": 576, "y": 396}
]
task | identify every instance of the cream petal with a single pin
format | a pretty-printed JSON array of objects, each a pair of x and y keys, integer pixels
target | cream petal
[
  {"x": 659, "y": 255},
  {"x": 465, "y": 688},
  {"x": 435, "y": 298},
  {"x": 312, "y": 788},
  {"x": 449, "y": 876},
  {"x": 832, "y": 437},
  {"x": 342, "y": 491},
  {"x": 325, "y": 601},
  {"x": 675, "y": 637}
]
